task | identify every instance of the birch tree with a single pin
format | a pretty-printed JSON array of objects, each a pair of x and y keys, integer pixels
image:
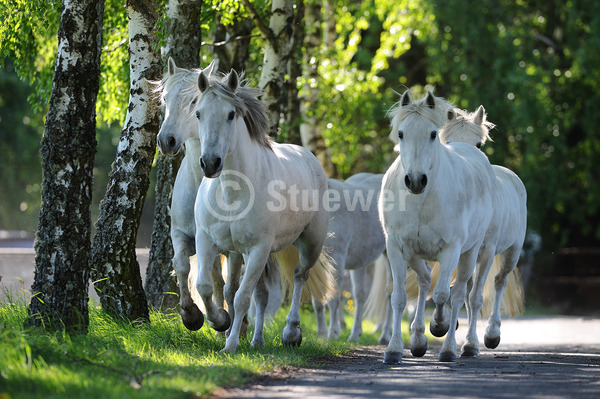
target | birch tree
[
  {"x": 183, "y": 41},
  {"x": 278, "y": 36},
  {"x": 115, "y": 269},
  {"x": 311, "y": 125},
  {"x": 62, "y": 246}
]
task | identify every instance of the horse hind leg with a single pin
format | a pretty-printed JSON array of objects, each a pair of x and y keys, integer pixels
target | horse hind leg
[
  {"x": 509, "y": 262},
  {"x": 470, "y": 348},
  {"x": 359, "y": 290},
  {"x": 261, "y": 299}
]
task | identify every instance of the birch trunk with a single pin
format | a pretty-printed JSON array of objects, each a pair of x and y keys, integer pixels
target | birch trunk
[
  {"x": 62, "y": 246},
  {"x": 114, "y": 265},
  {"x": 311, "y": 128},
  {"x": 183, "y": 41},
  {"x": 278, "y": 47}
]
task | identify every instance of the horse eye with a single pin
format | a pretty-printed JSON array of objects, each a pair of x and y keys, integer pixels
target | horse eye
[
  {"x": 194, "y": 101},
  {"x": 400, "y": 134},
  {"x": 198, "y": 114},
  {"x": 478, "y": 145},
  {"x": 433, "y": 134},
  {"x": 231, "y": 115}
]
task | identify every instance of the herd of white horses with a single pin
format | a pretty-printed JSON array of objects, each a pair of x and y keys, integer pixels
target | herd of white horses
[{"x": 442, "y": 223}]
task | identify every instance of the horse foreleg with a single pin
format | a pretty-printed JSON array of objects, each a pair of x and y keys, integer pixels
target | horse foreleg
[
  {"x": 206, "y": 254},
  {"x": 359, "y": 290},
  {"x": 320, "y": 316},
  {"x": 183, "y": 247},
  {"x": 465, "y": 269},
  {"x": 471, "y": 346},
  {"x": 393, "y": 352},
  {"x": 234, "y": 273},
  {"x": 418, "y": 341},
  {"x": 448, "y": 260},
  {"x": 254, "y": 266}
]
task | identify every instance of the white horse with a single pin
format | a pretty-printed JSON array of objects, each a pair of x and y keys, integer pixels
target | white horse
[
  {"x": 355, "y": 241},
  {"x": 258, "y": 197},
  {"x": 178, "y": 92},
  {"x": 506, "y": 232},
  {"x": 436, "y": 204}
]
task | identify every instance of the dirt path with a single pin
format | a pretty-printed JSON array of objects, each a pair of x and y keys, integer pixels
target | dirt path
[{"x": 538, "y": 357}]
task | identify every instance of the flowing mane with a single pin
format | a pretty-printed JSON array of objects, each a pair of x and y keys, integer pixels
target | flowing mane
[
  {"x": 465, "y": 123},
  {"x": 246, "y": 102},
  {"x": 430, "y": 107},
  {"x": 185, "y": 80}
]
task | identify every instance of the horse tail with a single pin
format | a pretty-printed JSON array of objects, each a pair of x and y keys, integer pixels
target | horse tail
[
  {"x": 378, "y": 299},
  {"x": 513, "y": 299},
  {"x": 321, "y": 284}
]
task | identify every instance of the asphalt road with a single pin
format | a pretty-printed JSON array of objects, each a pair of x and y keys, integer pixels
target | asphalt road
[{"x": 541, "y": 357}]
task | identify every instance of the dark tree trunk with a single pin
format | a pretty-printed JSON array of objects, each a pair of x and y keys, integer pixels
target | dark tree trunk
[
  {"x": 183, "y": 45},
  {"x": 115, "y": 269},
  {"x": 60, "y": 287}
]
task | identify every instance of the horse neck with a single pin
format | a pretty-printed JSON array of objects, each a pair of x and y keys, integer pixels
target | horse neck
[
  {"x": 244, "y": 154},
  {"x": 192, "y": 156}
]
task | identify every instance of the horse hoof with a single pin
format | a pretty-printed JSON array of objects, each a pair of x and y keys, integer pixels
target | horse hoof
[
  {"x": 224, "y": 326},
  {"x": 294, "y": 343},
  {"x": 438, "y": 330},
  {"x": 420, "y": 351},
  {"x": 392, "y": 358},
  {"x": 192, "y": 318},
  {"x": 447, "y": 357},
  {"x": 469, "y": 352},
  {"x": 491, "y": 343}
]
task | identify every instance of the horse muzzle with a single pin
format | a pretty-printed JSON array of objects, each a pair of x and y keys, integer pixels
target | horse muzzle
[
  {"x": 415, "y": 183},
  {"x": 211, "y": 165},
  {"x": 168, "y": 145}
]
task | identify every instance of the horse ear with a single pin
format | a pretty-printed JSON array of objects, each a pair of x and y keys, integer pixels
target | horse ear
[
  {"x": 406, "y": 98},
  {"x": 210, "y": 67},
  {"x": 480, "y": 116},
  {"x": 451, "y": 114},
  {"x": 171, "y": 67},
  {"x": 202, "y": 82},
  {"x": 233, "y": 81},
  {"x": 430, "y": 100}
]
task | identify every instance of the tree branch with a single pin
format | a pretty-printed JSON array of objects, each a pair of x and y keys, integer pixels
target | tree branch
[
  {"x": 224, "y": 42},
  {"x": 260, "y": 24}
]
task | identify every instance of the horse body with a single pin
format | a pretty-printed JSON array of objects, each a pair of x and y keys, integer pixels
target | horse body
[
  {"x": 252, "y": 202},
  {"x": 355, "y": 241},
  {"x": 505, "y": 234},
  {"x": 441, "y": 211}
]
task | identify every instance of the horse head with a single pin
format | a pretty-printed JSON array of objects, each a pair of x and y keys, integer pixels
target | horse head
[
  {"x": 471, "y": 128},
  {"x": 179, "y": 95},
  {"x": 415, "y": 127}
]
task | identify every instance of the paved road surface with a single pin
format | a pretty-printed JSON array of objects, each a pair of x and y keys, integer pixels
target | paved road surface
[{"x": 556, "y": 357}]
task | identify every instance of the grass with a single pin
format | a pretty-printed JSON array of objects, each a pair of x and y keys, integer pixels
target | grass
[{"x": 117, "y": 359}]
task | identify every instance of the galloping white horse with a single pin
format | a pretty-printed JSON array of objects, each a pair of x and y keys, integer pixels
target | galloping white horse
[
  {"x": 257, "y": 197},
  {"x": 436, "y": 204},
  {"x": 178, "y": 92},
  {"x": 506, "y": 232}
]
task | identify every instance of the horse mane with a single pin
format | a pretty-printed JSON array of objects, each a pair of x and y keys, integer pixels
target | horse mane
[
  {"x": 186, "y": 78},
  {"x": 438, "y": 115},
  {"x": 464, "y": 122},
  {"x": 246, "y": 102}
]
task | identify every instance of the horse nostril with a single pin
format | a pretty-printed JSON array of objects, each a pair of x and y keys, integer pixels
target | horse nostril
[
  {"x": 407, "y": 181},
  {"x": 424, "y": 181},
  {"x": 217, "y": 163},
  {"x": 171, "y": 142},
  {"x": 202, "y": 164}
]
